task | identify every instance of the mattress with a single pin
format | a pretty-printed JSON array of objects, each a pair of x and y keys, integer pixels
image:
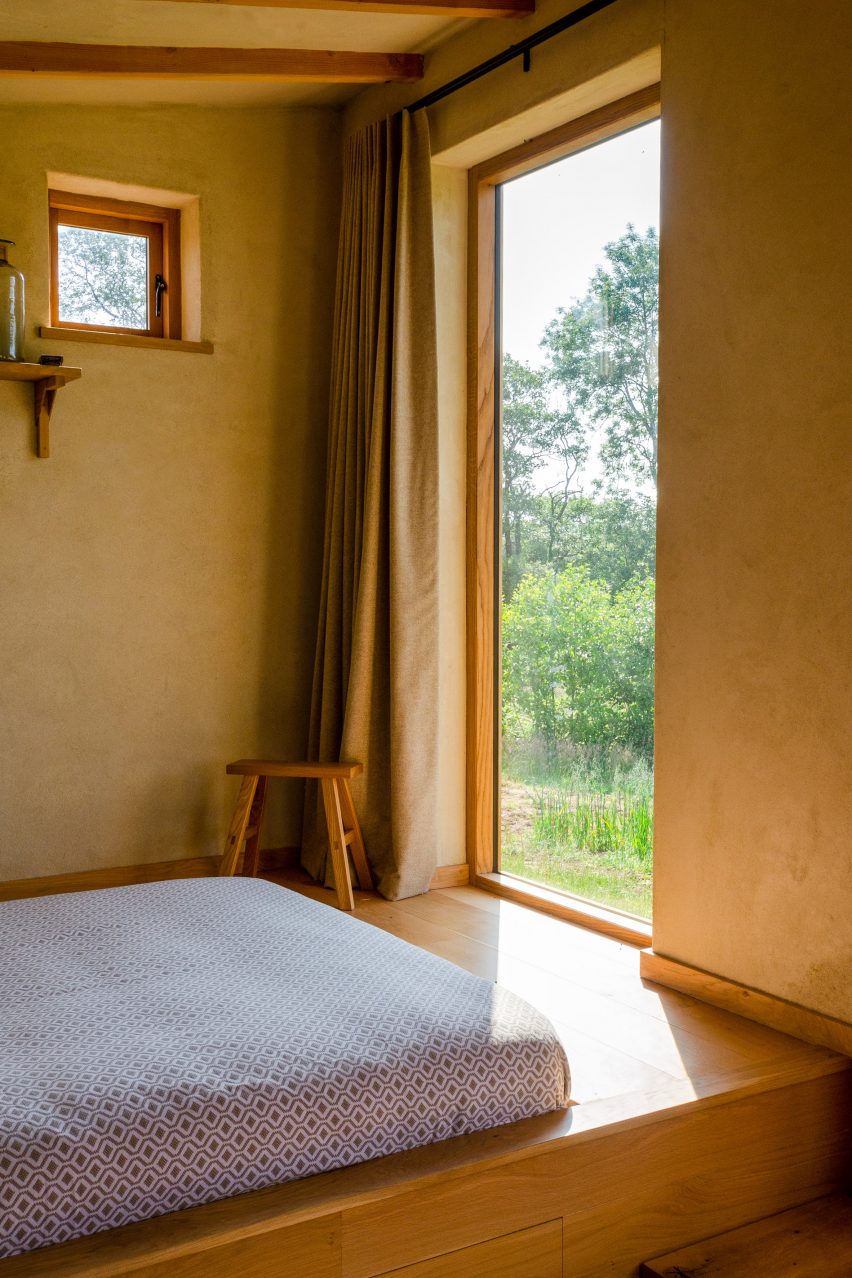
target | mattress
[{"x": 174, "y": 1043}]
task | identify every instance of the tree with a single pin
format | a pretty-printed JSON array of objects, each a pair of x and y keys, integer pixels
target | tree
[
  {"x": 632, "y": 686},
  {"x": 602, "y": 355},
  {"x": 535, "y": 439},
  {"x": 103, "y": 277},
  {"x": 525, "y": 414},
  {"x": 611, "y": 533},
  {"x": 578, "y": 662},
  {"x": 578, "y": 568},
  {"x": 553, "y": 645}
]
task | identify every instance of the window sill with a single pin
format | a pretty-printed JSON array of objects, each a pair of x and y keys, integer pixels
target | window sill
[
  {"x": 106, "y": 338},
  {"x": 626, "y": 928}
]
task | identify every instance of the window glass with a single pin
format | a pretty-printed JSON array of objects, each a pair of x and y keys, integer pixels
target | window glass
[
  {"x": 579, "y": 265},
  {"x": 103, "y": 278}
]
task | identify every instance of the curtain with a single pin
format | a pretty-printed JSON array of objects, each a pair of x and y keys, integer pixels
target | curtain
[{"x": 374, "y": 695}]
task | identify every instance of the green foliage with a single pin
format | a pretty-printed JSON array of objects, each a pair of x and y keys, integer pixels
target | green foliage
[
  {"x": 612, "y": 535},
  {"x": 582, "y": 822},
  {"x": 578, "y": 589},
  {"x": 599, "y": 383},
  {"x": 103, "y": 277},
  {"x": 622, "y": 885},
  {"x": 606, "y": 769},
  {"x": 617, "y": 825},
  {"x": 578, "y": 660},
  {"x": 533, "y": 436},
  {"x": 602, "y": 354}
]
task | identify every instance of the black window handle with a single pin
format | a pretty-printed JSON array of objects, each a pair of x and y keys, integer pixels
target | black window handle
[{"x": 160, "y": 287}]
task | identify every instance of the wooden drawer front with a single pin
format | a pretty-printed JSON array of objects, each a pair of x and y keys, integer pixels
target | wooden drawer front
[
  {"x": 528, "y": 1253},
  {"x": 309, "y": 1250}
]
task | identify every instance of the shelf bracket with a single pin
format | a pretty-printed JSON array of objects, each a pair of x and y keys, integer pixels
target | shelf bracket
[
  {"x": 44, "y": 393},
  {"x": 46, "y": 380}
]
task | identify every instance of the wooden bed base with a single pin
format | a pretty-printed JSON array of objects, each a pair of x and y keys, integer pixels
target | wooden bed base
[
  {"x": 589, "y": 1192},
  {"x": 586, "y": 1193}
]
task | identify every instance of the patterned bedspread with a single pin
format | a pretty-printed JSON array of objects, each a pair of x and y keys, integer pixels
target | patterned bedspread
[{"x": 174, "y": 1043}]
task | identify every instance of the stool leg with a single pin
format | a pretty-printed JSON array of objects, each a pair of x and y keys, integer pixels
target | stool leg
[
  {"x": 359, "y": 852},
  {"x": 336, "y": 837},
  {"x": 252, "y": 852},
  {"x": 237, "y": 831}
]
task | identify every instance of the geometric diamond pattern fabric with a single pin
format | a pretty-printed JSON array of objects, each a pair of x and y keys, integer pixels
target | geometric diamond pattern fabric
[{"x": 174, "y": 1043}]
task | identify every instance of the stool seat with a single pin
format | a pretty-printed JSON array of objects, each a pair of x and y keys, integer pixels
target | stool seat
[
  {"x": 344, "y": 831},
  {"x": 272, "y": 768}
]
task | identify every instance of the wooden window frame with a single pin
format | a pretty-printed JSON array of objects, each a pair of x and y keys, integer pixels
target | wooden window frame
[
  {"x": 160, "y": 226},
  {"x": 484, "y": 500}
]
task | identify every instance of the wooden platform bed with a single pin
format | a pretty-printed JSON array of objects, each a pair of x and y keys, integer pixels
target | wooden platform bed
[{"x": 592, "y": 1190}]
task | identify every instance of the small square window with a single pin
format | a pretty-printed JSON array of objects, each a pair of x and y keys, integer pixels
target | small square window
[{"x": 114, "y": 266}]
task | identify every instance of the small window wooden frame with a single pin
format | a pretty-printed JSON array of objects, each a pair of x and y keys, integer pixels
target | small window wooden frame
[
  {"x": 160, "y": 226},
  {"x": 484, "y": 500}
]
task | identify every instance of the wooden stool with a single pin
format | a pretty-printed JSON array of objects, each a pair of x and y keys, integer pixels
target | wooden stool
[{"x": 344, "y": 832}]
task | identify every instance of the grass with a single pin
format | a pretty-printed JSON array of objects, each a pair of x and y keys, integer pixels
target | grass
[
  {"x": 582, "y": 822},
  {"x": 588, "y": 769},
  {"x": 620, "y": 826}
]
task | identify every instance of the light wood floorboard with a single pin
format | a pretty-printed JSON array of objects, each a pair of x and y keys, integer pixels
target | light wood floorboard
[
  {"x": 584, "y": 958},
  {"x": 620, "y": 1033}
]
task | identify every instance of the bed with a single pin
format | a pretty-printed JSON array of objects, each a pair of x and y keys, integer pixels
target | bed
[{"x": 171, "y": 1044}]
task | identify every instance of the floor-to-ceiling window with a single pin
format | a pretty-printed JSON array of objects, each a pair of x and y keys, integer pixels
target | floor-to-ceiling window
[{"x": 577, "y": 252}]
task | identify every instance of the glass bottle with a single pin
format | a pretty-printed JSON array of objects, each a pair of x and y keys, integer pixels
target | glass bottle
[{"x": 11, "y": 307}]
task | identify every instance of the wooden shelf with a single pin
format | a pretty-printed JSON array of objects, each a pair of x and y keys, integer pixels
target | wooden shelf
[{"x": 47, "y": 379}]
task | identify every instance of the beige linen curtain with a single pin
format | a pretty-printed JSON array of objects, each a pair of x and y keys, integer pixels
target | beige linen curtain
[{"x": 376, "y": 668}]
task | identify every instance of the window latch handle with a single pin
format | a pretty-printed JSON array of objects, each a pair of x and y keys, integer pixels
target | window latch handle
[{"x": 160, "y": 287}]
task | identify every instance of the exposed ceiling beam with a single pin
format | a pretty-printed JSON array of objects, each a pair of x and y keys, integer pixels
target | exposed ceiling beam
[
  {"x": 138, "y": 62},
  {"x": 434, "y": 8}
]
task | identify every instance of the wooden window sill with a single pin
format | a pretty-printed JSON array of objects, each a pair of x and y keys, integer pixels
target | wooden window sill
[
  {"x": 105, "y": 338},
  {"x": 597, "y": 918}
]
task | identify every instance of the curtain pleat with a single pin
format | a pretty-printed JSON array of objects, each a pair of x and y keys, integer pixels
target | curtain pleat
[{"x": 374, "y": 696}]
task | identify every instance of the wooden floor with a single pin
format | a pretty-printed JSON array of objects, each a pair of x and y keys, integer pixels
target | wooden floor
[
  {"x": 686, "y": 1122},
  {"x": 623, "y": 1036},
  {"x": 812, "y": 1240}
]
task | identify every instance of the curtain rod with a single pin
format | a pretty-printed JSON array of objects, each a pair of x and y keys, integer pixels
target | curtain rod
[{"x": 519, "y": 50}]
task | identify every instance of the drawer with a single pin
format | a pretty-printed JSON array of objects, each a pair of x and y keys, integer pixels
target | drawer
[
  {"x": 309, "y": 1250},
  {"x": 527, "y": 1253}
]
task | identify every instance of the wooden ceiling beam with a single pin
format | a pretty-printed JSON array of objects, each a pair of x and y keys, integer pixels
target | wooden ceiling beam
[
  {"x": 138, "y": 62},
  {"x": 432, "y": 8}
]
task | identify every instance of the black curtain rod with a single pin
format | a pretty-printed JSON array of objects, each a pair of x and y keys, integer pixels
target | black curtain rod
[{"x": 519, "y": 50}]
